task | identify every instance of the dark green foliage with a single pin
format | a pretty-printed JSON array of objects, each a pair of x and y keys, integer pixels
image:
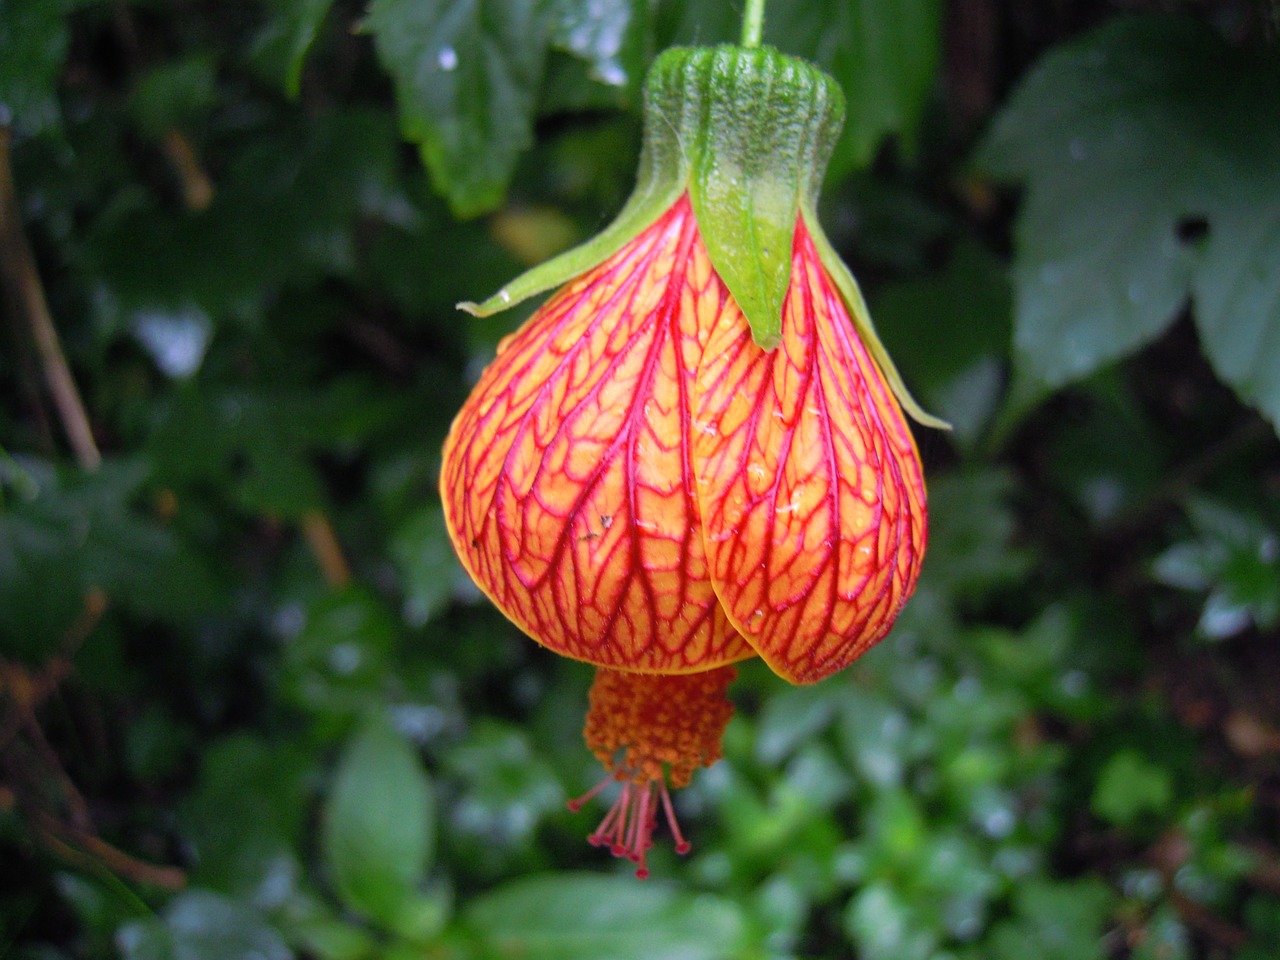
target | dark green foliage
[
  {"x": 241, "y": 647},
  {"x": 1150, "y": 177}
]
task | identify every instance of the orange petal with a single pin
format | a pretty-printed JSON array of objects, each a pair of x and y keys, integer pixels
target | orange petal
[
  {"x": 810, "y": 485},
  {"x": 567, "y": 481}
]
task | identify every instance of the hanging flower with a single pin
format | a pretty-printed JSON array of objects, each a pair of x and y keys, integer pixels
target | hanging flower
[{"x": 694, "y": 452}]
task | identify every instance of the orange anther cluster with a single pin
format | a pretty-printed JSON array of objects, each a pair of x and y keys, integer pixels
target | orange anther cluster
[{"x": 647, "y": 727}]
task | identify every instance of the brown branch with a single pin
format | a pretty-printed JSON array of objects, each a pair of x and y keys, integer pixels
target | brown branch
[
  {"x": 27, "y": 690},
  {"x": 70, "y": 835},
  {"x": 88, "y": 850},
  {"x": 19, "y": 269},
  {"x": 1180, "y": 484},
  {"x": 72, "y": 798},
  {"x": 1199, "y": 917},
  {"x": 197, "y": 188},
  {"x": 325, "y": 547}
]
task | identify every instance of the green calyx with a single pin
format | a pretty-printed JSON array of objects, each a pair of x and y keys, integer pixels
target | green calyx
[
  {"x": 747, "y": 133},
  {"x": 750, "y": 132}
]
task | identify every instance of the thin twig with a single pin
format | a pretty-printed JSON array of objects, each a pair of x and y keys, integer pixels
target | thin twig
[
  {"x": 19, "y": 269},
  {"x": 324, "y": 545},
  {"x": 88, "y": 850},
  {"x": 71, "y": 837},
  {"x": 197, "y": 188},
  {"x": 77, "y": 806},
  {"x": 1186, "y": 478},
  {"x": 26, "y": 690}
]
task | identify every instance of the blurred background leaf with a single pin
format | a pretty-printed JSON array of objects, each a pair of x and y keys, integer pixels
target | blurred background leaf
[
  {"x": 34, "y": 37},
  {"x": 884, "y": 53},
  {"x": 379, "y": 823},
  {"x": 466, "y": 74},
  {"x": 586, "y": 917},
  {"x": 1148, "y": 179}
]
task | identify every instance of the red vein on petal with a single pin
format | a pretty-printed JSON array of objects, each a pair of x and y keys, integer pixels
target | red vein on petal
[
  {"x": 548, "y": 493},
  {"x": 809, "y": 585}
]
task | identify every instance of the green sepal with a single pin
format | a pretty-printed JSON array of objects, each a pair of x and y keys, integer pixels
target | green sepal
[
  {"x": 647, "y": 203},
  {"x": 861, "y": 317},
  {"x": 747, "y": 133},
  {"x": 660, "y": 181}
]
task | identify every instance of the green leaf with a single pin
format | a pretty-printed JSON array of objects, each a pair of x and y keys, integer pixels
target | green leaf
[
  {"x": 1149, "y": 176},
  {"x": 607, "y": 34},
  {"x": 883, "y": 53},
  {"x": 949, "y": 333},
  {"x": 283, "y": 214},
  {"x": 33, "y": 36},
  {"x": 255, "y": 444},
  {"x": 1054, "y": 921},
  {"x": 1237, "y": 559},
  {"x": 339, "y": 661},
  {"x": 287, "y": 37},
  {"x": 80, "y": 531},
  {"x": 427, "y": 564},
  {"x": 1237, "y": 287},
  {"x": 970, "y": 548},
  {"x": 101, "y": 905},
  {"x": 506, "y": 788},
  {"x": 331, "y": 939},
  {"x": 592, "y": 917},
  {"x": 199, "y": 925},
  {"x": 1130, "y": 786},
  {"x": 262, "y": 788},
  {"x": 1109, "y": 456},
  {"x": 379, "y": 821},
  {"x": 599, "y": 51},
  {"x": 466, "y": 75},
  {"x": 887, "y": 926},
  {"x": 175, "y": 93},
  {"x": 1262, "y": 919},
  {"x": 875, "y": 736},
  {"x": 1165, "y": 937},
  {"x": 793, "y": 716}
]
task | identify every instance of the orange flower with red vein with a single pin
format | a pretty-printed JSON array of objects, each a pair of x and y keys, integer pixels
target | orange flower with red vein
[{"x": 694, "y": 452}]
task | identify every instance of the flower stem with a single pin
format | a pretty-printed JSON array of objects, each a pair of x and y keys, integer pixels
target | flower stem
[{"x": 752, "y": 23}]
